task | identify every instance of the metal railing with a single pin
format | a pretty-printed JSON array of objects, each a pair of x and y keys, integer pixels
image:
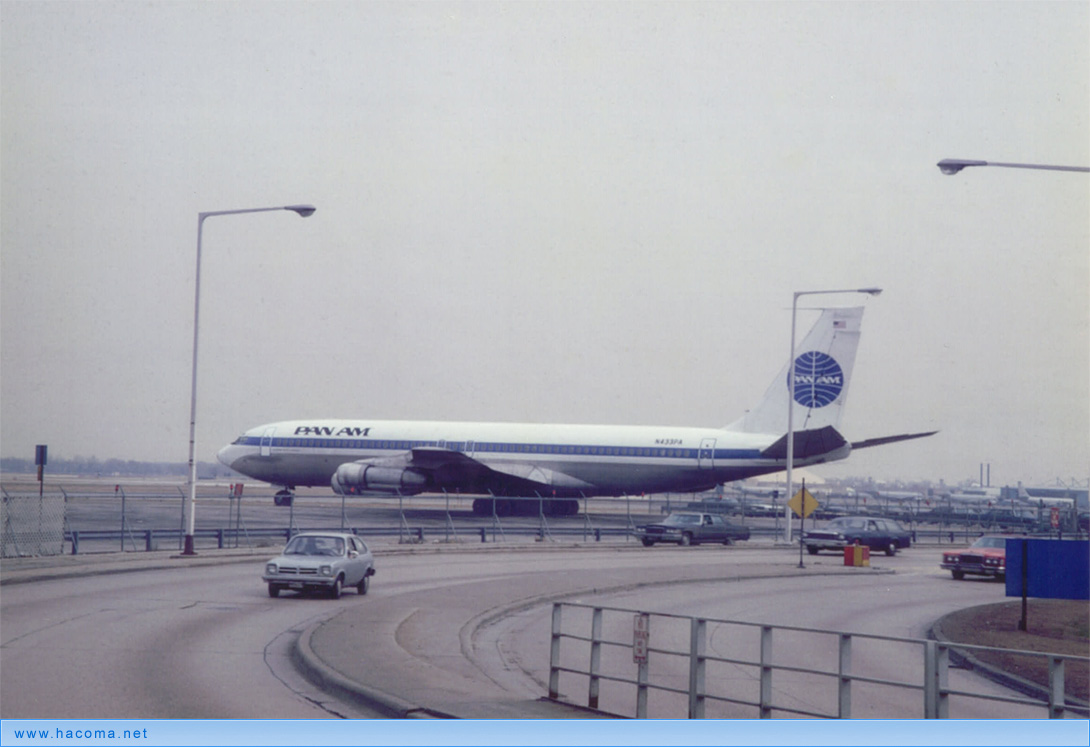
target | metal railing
[
  {"x": 138, "y": 540},
  {"x": 740, "y": 681}
]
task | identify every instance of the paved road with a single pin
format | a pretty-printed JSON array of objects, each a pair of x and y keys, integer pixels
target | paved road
[
  {"x": 198, "y": 642},
  {"x": 461, "y": 630}
]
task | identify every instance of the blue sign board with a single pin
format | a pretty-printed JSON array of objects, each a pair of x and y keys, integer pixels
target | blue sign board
[{"x": 1052, "y": 569}]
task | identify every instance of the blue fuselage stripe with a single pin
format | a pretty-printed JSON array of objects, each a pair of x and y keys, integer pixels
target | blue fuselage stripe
[{"x": 631, "y": 452}]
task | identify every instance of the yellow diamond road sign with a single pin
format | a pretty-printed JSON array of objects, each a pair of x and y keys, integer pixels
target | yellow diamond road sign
[{"x": 803, "y": 504}]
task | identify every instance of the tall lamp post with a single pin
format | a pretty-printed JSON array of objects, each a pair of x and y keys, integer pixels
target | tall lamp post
[
  {"x": 791, "y": 400},
  {"x": 951, "y": 166},
  {"x": 190, "y": 499}
]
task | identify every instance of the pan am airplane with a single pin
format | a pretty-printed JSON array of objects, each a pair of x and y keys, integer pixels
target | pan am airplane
[{"x": 562, "y": 463}]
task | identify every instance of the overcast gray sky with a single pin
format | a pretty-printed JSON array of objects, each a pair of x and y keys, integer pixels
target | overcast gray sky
[{"x": 555, "y": 212}]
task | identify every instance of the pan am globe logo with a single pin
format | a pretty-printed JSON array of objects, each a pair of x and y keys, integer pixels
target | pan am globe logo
[{"x": 819, "y": 379}]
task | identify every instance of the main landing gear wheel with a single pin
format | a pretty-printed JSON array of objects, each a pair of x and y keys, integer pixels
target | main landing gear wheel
[{"x": 284, "y": 498}]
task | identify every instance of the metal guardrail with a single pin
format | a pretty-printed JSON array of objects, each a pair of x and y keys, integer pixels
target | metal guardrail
[
  {"x": 153, "y": 539},
  {"x": 693, "y": 680},
  {"x": 137, "y": 540}
]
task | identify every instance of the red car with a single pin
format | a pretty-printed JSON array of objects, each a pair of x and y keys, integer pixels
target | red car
[{"x": 985, "y": 557}]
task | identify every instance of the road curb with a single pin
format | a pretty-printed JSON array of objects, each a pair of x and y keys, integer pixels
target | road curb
[
  {"x": 966, "y": 660},
  {"x": 63, "y": 568},
  {"x": 330, "y": 680}
]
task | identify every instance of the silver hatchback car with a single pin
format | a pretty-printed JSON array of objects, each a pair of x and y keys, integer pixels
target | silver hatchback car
[{"x": 324, "y": 561}]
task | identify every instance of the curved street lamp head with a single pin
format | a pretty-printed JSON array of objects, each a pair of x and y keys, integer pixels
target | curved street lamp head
[
  {"x": 304, "y": 210},
  {"x": 871, "y": 291},
  {"x": 951, "y": 166}
]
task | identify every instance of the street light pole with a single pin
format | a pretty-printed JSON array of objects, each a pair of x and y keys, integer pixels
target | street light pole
[
  {"x": 791, "y": 398},
  {"x": 951, "y": 166},
  {"x": 189, "y": 507}
]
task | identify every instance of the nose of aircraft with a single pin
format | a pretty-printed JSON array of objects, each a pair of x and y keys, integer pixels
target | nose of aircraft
[{"x": 227, "y": 455}]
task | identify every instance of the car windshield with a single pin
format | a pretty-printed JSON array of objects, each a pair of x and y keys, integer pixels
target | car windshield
[
  {"x": 682, "y": 519},
  {"x": 998, "y": 542},
  {"x": 329, "y": 546}
]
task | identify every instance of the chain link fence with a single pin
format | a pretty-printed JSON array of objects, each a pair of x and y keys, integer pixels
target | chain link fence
[{"x": 32, "y": 525}]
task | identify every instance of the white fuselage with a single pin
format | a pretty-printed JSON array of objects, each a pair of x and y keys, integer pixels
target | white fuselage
[{"x": 566, "y": 459}]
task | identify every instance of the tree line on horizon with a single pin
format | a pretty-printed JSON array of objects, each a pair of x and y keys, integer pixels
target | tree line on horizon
[{"x": 114, "y": 467}]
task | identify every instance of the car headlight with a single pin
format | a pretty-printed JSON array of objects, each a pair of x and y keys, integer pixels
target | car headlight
[
  {"x": 270, "y": 568},
  {"x": 326, "y": 570}
]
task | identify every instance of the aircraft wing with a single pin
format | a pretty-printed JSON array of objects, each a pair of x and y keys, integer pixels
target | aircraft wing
[
  {"x": 540, "y": 477},
  {"x": 433, "y": 468},
  {"x": 444, "y": 462}
]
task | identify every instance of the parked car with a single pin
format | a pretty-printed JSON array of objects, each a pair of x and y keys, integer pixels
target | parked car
[
  {"x": 875, "y": 533},
  {"x": 692, "y": 529},
  {"x": 321, "y": 561},
  {"x": 985, "y": 557}
]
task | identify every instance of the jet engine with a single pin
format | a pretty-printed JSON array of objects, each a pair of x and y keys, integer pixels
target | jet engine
[{"x": 366, "y": 477}]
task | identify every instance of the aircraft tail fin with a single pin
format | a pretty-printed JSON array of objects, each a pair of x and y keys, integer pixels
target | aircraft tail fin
[{"x": 823, "y": 370}]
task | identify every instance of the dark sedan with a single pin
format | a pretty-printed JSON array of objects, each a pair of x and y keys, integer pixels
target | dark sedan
[
  {"x": 692, "y": 529},
  {"x": 877, "y": 534}
]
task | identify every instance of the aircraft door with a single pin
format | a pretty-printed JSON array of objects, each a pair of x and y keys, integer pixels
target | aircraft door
[
  {"x": 705, "y": 457},
  {"x": 266, "y": 441}
]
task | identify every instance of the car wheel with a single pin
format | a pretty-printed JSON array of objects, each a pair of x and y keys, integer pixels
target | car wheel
[
  {"x": 647, "y": 542},
  {"x": 891, "y": 548},
  {"x": 686, "y": 539},
  {"x": 274, "y": 590},
  {"x": 958, "y": 575},
  {"x": 728, "y": 542},
  {"x": 363, "y": 585},
  {"x": 335, "y": 589},
  {"x": 812, "y": 549}
]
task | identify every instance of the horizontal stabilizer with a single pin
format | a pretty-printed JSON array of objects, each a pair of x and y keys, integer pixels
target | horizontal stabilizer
[
  {"x": 889, "y": 439},
  {"x": 807, "y": 444}
]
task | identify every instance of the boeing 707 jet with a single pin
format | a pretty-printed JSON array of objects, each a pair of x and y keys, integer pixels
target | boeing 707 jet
[{"x": 562, "y": 463}]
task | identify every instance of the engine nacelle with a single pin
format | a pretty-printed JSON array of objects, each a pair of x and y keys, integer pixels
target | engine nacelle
[{"x": 361, "y": 477}]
